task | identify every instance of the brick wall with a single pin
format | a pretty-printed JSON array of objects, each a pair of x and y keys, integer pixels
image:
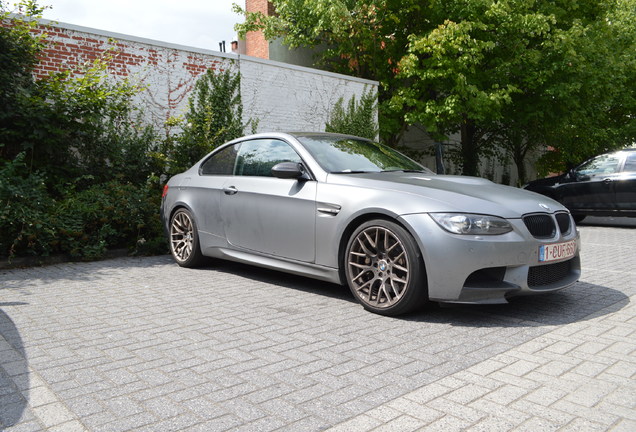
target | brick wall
[{"x": 282, "y": 97}]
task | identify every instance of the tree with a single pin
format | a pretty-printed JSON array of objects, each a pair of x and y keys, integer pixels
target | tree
[
  {"x": 579, "y": 96},
  {"x": 502, "y": 72},
  {"x": 75, "y": 170},
  {"x": 509, "y": 74},
  {"x": 19, "y": 49},
  {"x": 601, "y": 76},
  {"x": 365, "y": 38}
]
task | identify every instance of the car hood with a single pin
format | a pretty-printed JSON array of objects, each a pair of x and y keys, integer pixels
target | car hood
[
  {"x": 444, "y": 193},
  {"x": 544, "y": 182}
]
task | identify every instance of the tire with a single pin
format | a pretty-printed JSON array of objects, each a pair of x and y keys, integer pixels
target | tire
[
  {"x": 578, "y": 218},
  {"x": 184, "y": 239},
  {"x": 384, "y": 268}
]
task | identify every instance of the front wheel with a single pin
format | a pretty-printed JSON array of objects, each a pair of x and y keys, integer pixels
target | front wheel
[
  {"x": 384, "y": 269},
  {"x": 184, "y": 239},
  {"x": 578, "y": 218}
]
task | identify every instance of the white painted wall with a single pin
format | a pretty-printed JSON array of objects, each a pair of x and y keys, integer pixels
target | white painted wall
[{"x": 293, "y": 98}]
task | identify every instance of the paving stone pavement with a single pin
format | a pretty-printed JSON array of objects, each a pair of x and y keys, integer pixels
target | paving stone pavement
[{"x": 139, "y": 344}]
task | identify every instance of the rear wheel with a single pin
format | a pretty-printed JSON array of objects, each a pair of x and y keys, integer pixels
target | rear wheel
[
  {"x": 384, "y": 269},
  {"x": 184, "y": 239}
]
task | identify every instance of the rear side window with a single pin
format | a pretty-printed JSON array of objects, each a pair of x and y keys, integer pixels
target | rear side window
[
  {"x": 630, "y": 162},
  {"x": 221, "y": 163}
]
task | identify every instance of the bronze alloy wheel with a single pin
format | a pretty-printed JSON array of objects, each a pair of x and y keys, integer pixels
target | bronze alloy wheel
[
  {"x": 184, "y": 240},
  {"x": 383, "y": 268}
]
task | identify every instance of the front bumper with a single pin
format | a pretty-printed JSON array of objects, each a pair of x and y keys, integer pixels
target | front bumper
[{"x": 490, "y": 269}]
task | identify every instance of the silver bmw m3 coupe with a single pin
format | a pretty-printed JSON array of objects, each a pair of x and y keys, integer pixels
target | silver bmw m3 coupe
[{"x": 347, "y": 210}]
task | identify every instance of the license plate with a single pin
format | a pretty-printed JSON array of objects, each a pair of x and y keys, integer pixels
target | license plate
[{"x": 557, "y": 251}]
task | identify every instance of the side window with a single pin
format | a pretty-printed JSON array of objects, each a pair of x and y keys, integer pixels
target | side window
[
  {"x": 630, "y": 162},
  {"x": 257, "y": 157},
  {"x": 221, "y": 163},
  {"x": 600, "y": 165}
]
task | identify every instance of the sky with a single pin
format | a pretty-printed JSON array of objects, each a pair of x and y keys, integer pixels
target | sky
[{"x": 196, "y": 23}]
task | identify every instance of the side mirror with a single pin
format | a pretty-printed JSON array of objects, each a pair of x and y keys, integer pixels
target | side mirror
[
  {"x": 576, "y": 176},
  {"x": 290, "y": 170},
  {"x": 579, "y": 176}
]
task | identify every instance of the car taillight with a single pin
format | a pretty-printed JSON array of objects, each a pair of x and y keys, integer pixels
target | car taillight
[{"x": 165, "y": 191}]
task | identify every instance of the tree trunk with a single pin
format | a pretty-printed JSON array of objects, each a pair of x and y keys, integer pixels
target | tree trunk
[
  {"x": 470, "y": 153},
  {"x": 521, "y": 169},
  {"x": 519, "y": 157}
]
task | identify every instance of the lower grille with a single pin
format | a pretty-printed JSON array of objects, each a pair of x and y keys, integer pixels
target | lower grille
[{"x": 548, "y": 274}]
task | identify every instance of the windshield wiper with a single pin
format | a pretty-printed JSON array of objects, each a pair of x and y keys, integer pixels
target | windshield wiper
[
  {"x": 405, "y": 170},
  {"x": 351, "y": 172}
]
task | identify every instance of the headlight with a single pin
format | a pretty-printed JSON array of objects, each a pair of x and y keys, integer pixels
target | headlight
[{"x": 474, "y": 224}]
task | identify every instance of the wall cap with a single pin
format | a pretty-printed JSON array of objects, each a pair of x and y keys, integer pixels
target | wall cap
[
  {"x": 307, "y": 69},
  {"x": 229, "y": 56}
]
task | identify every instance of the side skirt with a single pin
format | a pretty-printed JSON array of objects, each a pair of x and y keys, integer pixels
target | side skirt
[{"x": 327, "y": 274}]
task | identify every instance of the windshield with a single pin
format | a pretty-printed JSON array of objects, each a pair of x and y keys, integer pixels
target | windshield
[{"x": 338, "y": 155}]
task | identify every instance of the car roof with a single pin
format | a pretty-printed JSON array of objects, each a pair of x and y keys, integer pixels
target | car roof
[
  {"x": 615, "y": 151},
  {"x": 323, "y": 134},
  {"x": 295, "y": 135}
]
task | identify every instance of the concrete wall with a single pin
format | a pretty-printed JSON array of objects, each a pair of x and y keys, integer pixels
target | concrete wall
[{"x": 281, "y": 96}]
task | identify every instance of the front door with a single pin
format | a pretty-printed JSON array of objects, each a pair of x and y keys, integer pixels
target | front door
[
  {"x": 592, "y": 187},
  {"x": 266, "y": 214}
]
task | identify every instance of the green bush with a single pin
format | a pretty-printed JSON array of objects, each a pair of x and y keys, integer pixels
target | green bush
[
  {"x": 357, "y": 118},
  {"x": 26, "y": 227},
  {"x": 83, "y": 223},
  {"x": 77, "y": 175},
  {"x": 79, "y": 169},
  {"x": 79, "y": 123},
  {"x": 214, "y": 117},
  {"x": 107, "y": 216}
]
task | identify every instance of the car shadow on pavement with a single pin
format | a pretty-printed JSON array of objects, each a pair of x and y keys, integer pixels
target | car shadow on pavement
[
  {"x": 286, "y": 280},
  {"x": 14, "y": 370},
  {"x": 579, "y": 302}
]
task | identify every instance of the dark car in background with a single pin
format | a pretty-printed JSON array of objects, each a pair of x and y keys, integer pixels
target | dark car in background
[{"x": 602, "y": 186}]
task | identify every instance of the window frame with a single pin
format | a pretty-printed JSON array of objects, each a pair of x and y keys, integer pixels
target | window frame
[
  {"x": 215, "y": 153},
  {"x": 237, "y": 154},
  {"x": 630, "y": 157}
]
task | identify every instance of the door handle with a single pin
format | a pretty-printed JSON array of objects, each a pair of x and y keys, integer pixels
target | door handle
[
  {"x": 230, "y": 190},
  {"x": 607, "y": 180}
]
